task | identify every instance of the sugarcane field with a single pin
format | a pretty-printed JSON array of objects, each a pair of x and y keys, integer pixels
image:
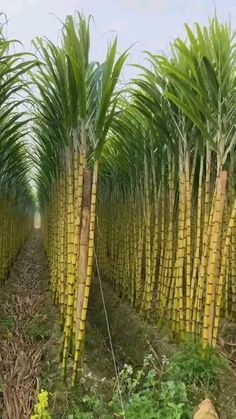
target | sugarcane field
[{"x": 118, "y": 209}]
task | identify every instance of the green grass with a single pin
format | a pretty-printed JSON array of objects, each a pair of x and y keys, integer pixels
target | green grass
[
  {"x": 7, "y": 325},
  {"x": 38, "y": 328},
  {"x": 193, "y": 365}
]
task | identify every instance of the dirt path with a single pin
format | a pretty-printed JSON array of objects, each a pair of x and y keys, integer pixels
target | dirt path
[
  {"x": 24, "y": 330},
  {"x": 132, "y": 338}
]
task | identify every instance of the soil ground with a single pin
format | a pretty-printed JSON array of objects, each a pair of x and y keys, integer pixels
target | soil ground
[
  {"x": 23, "y": 324},
  {"x": 30, "y": 341}
]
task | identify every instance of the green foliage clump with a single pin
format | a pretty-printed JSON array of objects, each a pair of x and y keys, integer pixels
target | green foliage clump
[
  {"x": 37, "y": 329},
  {"x": 196, "y": 365},
  {"x": 93, "y": 407},
  {"x": 148, "y": 398},
  {"x": 7, "y": 324},
  {"x": 41, "y": 407},
  {"x": 170, "y": 401},
  {"x": 159, "y": 389},
  {"x": 143, "y": 397}
]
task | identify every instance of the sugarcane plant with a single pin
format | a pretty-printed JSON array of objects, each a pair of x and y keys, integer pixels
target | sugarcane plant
[
  {"x": 17, "y": 200},
  {"x": 166, "y": 231},
  {"x": 74, "y": 106}
]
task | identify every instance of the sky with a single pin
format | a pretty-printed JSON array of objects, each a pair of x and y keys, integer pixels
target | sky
[{"x": 143, "y": 24}]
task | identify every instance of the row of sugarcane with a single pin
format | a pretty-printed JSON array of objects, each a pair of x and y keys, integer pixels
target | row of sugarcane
[
  {"x": 171, "y": 265},
  {"x": 74, "y": 106},
  {"x": 159, "y": 159},
  {"x": 167, "y": 213},
  {"x": 16, "y": 196},
  {"x": 15, "y": 228}
]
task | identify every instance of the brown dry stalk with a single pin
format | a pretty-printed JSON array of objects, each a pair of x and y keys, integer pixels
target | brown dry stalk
[{"x": 20, "y": 354}]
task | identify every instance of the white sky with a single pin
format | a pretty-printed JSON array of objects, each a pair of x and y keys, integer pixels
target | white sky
[{"x": 151, "y": 24}]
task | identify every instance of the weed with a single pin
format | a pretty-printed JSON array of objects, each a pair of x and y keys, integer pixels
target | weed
[
  {"x": 195, "y": 365},
  {"x": 143, "y": 397},
  {"x": 160, "y": 389},
  {"x": 148, "y": 398},
  {"x": 41, "y": 407},
  {"x": 7, "y": 324},
  {"x": 170, "y": 401},
  {"x": 37, "y": 329}
]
